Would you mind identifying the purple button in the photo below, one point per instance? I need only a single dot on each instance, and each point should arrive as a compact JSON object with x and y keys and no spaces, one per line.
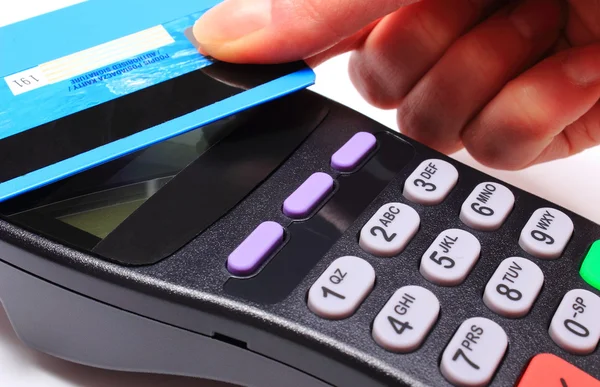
{"x":308,"y":195}
{"x":353,"y":151}
{"x":255,"y":248}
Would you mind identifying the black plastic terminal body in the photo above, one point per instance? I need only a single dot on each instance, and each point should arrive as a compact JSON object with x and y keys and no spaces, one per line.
{"x":191,"y":290}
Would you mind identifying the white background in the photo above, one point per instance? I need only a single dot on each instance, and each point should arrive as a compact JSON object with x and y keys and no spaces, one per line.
{"x":573,"y":183}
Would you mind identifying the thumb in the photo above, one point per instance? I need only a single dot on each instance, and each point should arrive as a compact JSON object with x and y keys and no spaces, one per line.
{"x":274,"y":31}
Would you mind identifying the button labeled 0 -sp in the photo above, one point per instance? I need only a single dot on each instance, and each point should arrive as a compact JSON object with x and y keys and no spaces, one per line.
{"x":391,"y":228}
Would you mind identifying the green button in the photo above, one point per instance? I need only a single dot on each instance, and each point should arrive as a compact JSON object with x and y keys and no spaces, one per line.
{"x":590,"y":270}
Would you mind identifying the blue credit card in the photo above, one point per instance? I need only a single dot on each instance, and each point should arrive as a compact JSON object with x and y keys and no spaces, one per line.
{"x":97,"y":54}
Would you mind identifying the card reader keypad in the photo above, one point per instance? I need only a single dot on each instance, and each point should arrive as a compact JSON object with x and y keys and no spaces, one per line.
{"x":402,"y":325}
{"x":487,"y":207}
{"x":474,"y":352}
{"x":514,"y":287}
{"x":431,"y":182}
{"x":450,"y":257}
{"x":406,"y":319}
{"x":546,"y":234}
{"x":575,"y":326}
{"x":389,"y":231}
{"x":340,"y":290}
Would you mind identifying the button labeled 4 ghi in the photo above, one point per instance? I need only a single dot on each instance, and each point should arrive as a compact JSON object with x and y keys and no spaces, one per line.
{"x":406,"y":319}
{"x":391,"y":228}
{"x":450,"y":257}
{"x":546,"y":233}
{"x":514,"y":287}
{"x":474,"y":353}
{"x":340,"y":290}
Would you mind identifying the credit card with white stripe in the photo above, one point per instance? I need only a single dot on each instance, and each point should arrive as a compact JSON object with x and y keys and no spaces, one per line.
{"x":62,"y":108}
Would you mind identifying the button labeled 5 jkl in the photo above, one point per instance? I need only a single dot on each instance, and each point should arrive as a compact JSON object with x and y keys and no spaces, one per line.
{"x":391,"y":228}
{"x":450,"y":258}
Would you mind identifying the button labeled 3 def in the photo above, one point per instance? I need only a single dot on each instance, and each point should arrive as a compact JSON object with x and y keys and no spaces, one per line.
{"x":431,"y":182}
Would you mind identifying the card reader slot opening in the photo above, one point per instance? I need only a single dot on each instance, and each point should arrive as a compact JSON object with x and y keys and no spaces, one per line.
{"x":230,"y":340}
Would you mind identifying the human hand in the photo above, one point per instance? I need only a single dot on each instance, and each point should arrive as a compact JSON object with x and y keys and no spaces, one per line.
{"x":515,"y":82}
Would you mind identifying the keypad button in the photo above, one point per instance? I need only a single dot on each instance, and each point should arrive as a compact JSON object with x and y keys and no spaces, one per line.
{"x":391,"y":228}
{"x":546,"y":370}
{"x":300,"y":203}
{"x":487,"y":207}
{"x":450,"y":258}
{"x":575,"y":326}
{"x":431,"y":182}
{"x":341,"y":289}
{"x":547,"y":233}
{"x":514,"y":287}
{"x":353,"y":152}
{"x":590,"y":269}
{"x":474,"y":353}
{"x":248,"y":256}
{"x":406,"y":319}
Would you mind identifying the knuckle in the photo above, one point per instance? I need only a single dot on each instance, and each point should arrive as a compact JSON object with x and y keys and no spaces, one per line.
{"x":370,"y":83}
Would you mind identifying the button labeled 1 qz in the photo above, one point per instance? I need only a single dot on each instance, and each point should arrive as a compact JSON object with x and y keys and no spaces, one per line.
{"x":340,"y":290}
{"x":391,"y":228}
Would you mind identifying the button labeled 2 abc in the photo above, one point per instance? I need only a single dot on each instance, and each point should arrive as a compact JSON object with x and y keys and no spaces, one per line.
{"x":391,"y":228}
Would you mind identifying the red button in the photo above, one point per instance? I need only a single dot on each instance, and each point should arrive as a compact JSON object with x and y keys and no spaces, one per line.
{"x":546,"y":370}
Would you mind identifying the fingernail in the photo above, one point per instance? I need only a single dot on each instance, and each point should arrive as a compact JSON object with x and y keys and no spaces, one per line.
{"x":232,"y":20}
{"x":583,"y":65}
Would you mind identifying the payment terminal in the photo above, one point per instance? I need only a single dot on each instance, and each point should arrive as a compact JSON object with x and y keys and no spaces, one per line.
{"x":300,"y":243}
{"x":294,"y":242}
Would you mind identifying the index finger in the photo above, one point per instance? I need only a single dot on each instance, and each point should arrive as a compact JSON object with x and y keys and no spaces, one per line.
{"x":275,"y":31}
